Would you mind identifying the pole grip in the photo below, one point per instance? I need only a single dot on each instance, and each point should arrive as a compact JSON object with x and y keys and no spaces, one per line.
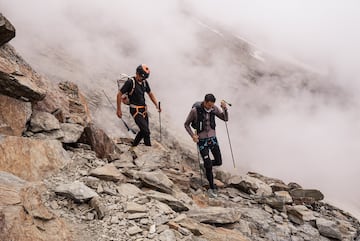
{"x":159,"y":105}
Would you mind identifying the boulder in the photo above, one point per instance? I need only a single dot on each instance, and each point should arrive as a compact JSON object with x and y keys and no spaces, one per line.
{"x":99,"y":141}
{"x":108,"y":172}
{"x":20,"y":87}
{"x":307,"y":196}
{"x":72,"y":132}
{"x":77,"y":191}
{"x":174,"y":203}
{"x":210,"y":233}
{"x":43,"y":122}
{"x":7,"y":30}
{"x":250,"y":185}
{"x":31,"y":159}
{"x":299,"y":214}
{"x":23,"y":216}
{"x":129,"y":190}
{"x":157,"y":180}
{"x":14,"y":114}
{"x":328,"y":228}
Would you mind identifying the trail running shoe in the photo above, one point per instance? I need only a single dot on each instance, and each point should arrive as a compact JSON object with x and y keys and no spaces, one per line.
{"x":211,"y":193}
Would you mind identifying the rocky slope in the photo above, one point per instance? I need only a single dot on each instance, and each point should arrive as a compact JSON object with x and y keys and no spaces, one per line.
{"x":63,"y":178}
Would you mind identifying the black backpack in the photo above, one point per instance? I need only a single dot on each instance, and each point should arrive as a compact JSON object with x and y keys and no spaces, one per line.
{"x":197,"y":124}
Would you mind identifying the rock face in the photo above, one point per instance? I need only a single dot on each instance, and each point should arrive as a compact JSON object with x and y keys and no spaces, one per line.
{"x":23,"y":216}
{"x":31,"y":159}
{"x":7,"y":30}
{"x":14,"y":114}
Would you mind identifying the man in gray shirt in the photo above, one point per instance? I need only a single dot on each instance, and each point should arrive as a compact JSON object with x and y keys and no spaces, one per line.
{"x":202,"y":119}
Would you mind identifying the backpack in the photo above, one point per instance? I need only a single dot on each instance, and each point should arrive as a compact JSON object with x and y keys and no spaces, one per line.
{"x":123,"y":78}
{"x":197,"y":124}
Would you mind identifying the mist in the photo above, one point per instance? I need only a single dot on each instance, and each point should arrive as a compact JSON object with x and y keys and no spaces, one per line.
{"x":290,"y":69}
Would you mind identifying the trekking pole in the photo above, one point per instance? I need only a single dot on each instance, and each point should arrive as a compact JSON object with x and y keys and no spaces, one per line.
{"x":160,"y":120}
{"x":126,"y":125}
{"x":232,"y":155}
{"x":201,"y":179}
{"x":227,"y":130}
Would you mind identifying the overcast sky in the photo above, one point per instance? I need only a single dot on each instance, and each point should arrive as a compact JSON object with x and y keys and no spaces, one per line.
{"x":303,"y":137}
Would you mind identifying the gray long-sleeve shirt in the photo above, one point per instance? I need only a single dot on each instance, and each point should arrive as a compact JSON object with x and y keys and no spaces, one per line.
{"x":208,"y":131}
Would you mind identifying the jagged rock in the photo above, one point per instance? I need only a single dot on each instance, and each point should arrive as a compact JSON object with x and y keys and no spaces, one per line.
{"x":14,"y":114}
{"x":31,"y":159}
{"x":222,"y":175}
{"x":72,"y":132}
{"x":307,"y":196}
{"x":31,"y":200}
{"x":43,"y":121}
{"x":215,"y":215}
{"x":132,"y":207}
{"x":101,"y":143}
{"x":182,"y":181}
{"x":276,"y":187}
{"x":299,"y":214}
{"x":210,"y":233}
{"x":285,"y":195}
{"x":99,"y":207}
{"x":78,"y":107}
{"x":149,"y":161}
{"x":293,"y":185}
{"x":108,"y":172}
{"x":328,"y":228}
{"x":23,"y":216}
{"x":134,"y":230}
{"x":20,"y":87}
{"x":250,"y":185}
{"x":128,"y":190}
{"x":77,"y":191}
{"x":175,"y":204}
{"x":277,"y":202}
{"x":7,"y":30}
{"x":157,"y":180}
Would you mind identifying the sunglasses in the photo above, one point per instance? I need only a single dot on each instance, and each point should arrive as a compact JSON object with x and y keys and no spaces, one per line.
{"x":143,"y":74}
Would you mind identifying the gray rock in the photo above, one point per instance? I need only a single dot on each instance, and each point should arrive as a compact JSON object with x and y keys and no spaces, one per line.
{"x":134,"y":230}
{"x":157,"y":180}
{"x":76,"y":190}
{"x":108,"y":172}
{"x":128,"y":190}
{"x":312,"y":194}
{"x":43,"y":121}
{"x":7,"y":30}
{"x":72,"y":132}
{"x":99,"y":207}
{"x":299,"y":214}
{"x":175,"y":204}
{"x":250,"y":185}
{"x":167,"y":235}
{"x":131,"y":207}
{"x":215,"y":215}
{"x":328,"y":228}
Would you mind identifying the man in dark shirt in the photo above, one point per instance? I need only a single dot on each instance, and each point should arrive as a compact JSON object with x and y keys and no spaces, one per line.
{"x":135,"y":88}
{"x":203,"y":117}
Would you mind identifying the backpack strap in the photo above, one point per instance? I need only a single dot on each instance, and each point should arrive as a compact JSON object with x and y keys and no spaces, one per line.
{"x":133,"y":86}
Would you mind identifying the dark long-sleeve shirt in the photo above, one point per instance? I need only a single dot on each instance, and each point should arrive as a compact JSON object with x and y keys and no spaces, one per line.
{"x":208,"y":131}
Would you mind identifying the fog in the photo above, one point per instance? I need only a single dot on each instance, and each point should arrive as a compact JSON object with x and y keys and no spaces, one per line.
{"x":279,"y":128}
